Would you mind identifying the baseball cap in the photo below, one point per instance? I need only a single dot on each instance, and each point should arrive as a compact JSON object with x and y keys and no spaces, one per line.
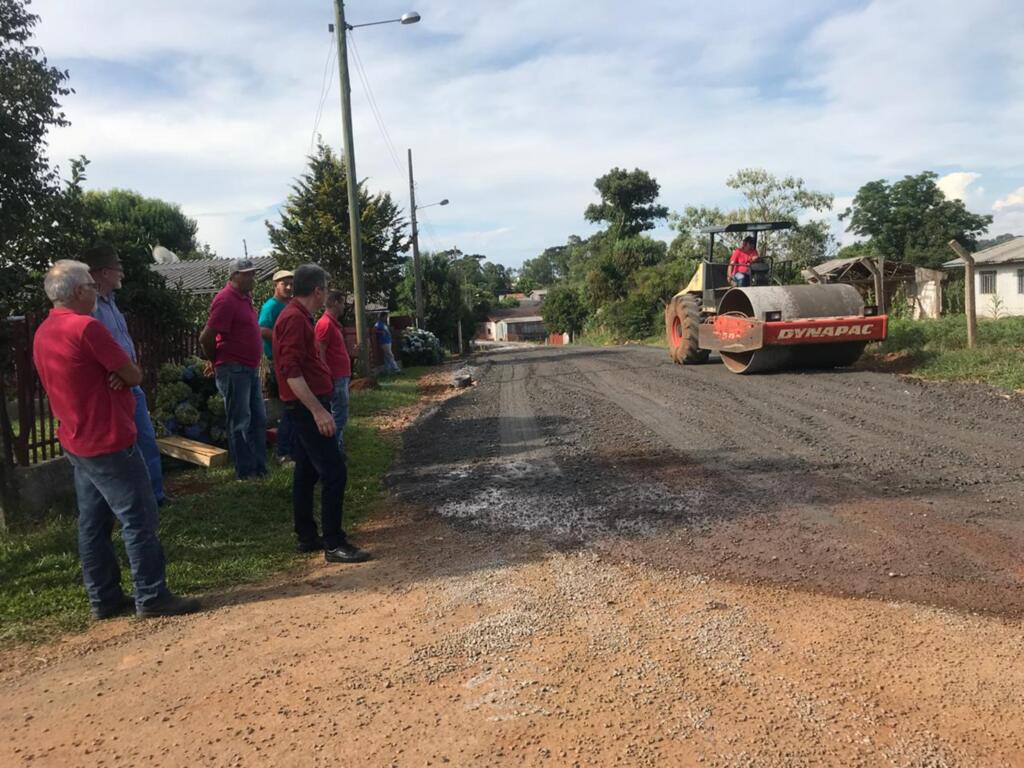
{"x":242,"y":265}
{"x":281,"y":274}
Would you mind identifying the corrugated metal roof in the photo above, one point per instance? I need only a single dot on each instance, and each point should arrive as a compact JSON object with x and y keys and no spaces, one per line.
{"x":207,"y":276}
{"x":1008,"y":252}
{"x":526,"y":308}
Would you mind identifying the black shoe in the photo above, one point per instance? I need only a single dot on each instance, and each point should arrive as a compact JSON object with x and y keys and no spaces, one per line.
{"x":346,"y":553}
{"x":170,"y":605}
{"x":121,"y":608}
{"x":166,"y":501}
{"x":310,"y":546}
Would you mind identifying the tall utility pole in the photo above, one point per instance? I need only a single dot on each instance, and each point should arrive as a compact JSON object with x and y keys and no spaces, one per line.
{"x":416,"y":266}
{"x":356,"y":238}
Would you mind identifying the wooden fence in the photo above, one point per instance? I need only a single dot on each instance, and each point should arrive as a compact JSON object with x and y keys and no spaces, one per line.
{"x":29,"y":429}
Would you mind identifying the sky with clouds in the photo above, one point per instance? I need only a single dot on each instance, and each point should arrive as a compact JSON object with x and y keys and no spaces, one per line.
{"x":512,"y":109}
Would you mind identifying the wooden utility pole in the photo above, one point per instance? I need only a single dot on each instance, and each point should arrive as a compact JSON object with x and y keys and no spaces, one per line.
{"x":879,"y":277}
{"x":416,"y":266}
{"x":354,"y":220}
{"x":969,"y":309}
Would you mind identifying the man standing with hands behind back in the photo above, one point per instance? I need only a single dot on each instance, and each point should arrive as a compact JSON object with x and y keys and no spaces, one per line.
{"x":306,"y":386}
{"x":231,"y":341}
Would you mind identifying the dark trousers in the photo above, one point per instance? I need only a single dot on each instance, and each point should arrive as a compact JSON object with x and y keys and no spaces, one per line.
{"x":317,"y":458}
{"x":116,"y":486}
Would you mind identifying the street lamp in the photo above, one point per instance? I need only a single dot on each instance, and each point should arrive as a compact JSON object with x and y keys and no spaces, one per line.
{"x":341,"y":28}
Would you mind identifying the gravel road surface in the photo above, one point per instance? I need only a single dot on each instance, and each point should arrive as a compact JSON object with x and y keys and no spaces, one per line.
{"x":596,"y":558}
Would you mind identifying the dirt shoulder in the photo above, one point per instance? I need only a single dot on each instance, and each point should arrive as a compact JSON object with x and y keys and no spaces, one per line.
{"x":563,"y":578}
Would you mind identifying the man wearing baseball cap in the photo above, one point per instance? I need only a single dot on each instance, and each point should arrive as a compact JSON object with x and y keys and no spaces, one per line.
{"x":269,"y":313}
{"x":231,"y":341}
{"x":107,"y":272}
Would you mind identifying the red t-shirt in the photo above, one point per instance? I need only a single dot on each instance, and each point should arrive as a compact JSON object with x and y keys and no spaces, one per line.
{"x":73,"y":355}
{"x":233,"y":317}
{"x":328,"y":333}
{"x":740,"y":261}
{"x":296,"y":353}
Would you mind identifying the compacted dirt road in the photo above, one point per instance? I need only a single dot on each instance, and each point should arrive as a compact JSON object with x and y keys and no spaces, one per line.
{"x":594,"y":557}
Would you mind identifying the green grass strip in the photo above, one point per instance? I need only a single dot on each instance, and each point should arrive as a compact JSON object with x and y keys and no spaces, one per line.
{"x":219,"y":533}
{"x":938,"y":350}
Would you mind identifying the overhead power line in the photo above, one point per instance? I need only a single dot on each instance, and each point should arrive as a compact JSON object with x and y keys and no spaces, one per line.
{"x":374,"y":108}
{"x":325,"y":85}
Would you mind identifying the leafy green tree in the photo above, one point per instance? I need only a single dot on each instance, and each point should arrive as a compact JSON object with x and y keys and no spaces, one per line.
{"x":443,"y":296}
{"x":911,"y":220}
{"x":770,"y":198}
{"x":690,"y":244}
{"x":314,"y":227}
{"x":497,"y":278}
{"x":31,"y":193}
{"x":628,"y":202}
{"x":133,"y":224}
{"x":548,"y":268}
{"x":563,"y":311}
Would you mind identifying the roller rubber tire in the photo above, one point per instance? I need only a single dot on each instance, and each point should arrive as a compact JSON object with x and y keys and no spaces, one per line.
{"x":682,"y":324}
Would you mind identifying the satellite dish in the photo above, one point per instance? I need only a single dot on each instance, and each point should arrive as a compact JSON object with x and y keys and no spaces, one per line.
{"x":162,"y":255}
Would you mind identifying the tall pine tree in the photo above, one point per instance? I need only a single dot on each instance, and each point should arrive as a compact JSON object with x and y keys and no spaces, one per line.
{"x":314,"y":228}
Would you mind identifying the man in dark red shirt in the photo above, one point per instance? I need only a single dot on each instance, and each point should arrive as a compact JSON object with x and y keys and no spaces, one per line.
{"x":331,"y":341}
{"x":88,"y":377}
{"x":740,"y":261}
{"x":231,"y":341}
{"x":305,"y":386}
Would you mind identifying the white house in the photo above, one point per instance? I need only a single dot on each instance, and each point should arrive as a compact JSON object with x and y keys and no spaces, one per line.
{"x":522,"y":323}
{"x":998,"y":278}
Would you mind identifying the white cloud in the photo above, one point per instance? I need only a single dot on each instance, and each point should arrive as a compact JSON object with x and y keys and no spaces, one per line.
{"x":1008,"y":214}
{"x":513,"y":109}
{"x":1013,"y":200}
{"x":955,"y":185}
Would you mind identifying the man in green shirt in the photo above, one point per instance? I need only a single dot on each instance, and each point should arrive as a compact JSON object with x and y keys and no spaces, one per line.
{"x":269,"y":313}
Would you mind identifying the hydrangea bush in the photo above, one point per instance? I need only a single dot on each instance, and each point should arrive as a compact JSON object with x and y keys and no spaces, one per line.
{"x":188,"y":404}
{"x":420,"y":347}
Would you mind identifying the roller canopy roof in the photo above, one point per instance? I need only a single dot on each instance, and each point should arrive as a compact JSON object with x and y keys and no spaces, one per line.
{"x":752,"y":226}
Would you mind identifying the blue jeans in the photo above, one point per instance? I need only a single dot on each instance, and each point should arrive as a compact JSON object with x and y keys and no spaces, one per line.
{"x":740,"y":279}
{"x":116,"y":486}
{"x":339,"y":406}
{"x":317,"y":458}
{"x":390,"y":364}
{"x":246,"y":418}
{"x":147,"y":444}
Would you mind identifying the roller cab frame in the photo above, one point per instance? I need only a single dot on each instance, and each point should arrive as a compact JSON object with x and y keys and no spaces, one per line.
{"x":766,"y":327}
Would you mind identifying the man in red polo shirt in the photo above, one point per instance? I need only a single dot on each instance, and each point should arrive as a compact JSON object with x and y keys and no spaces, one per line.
{"x":232,"y":341}
{"x":88,"y":378}
{"x":740,"y":261}
{"x":331,"y":341}
{"x":305,"y":386}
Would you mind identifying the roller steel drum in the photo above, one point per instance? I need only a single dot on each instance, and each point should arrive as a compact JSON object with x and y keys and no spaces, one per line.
{"x":795,"y":302}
